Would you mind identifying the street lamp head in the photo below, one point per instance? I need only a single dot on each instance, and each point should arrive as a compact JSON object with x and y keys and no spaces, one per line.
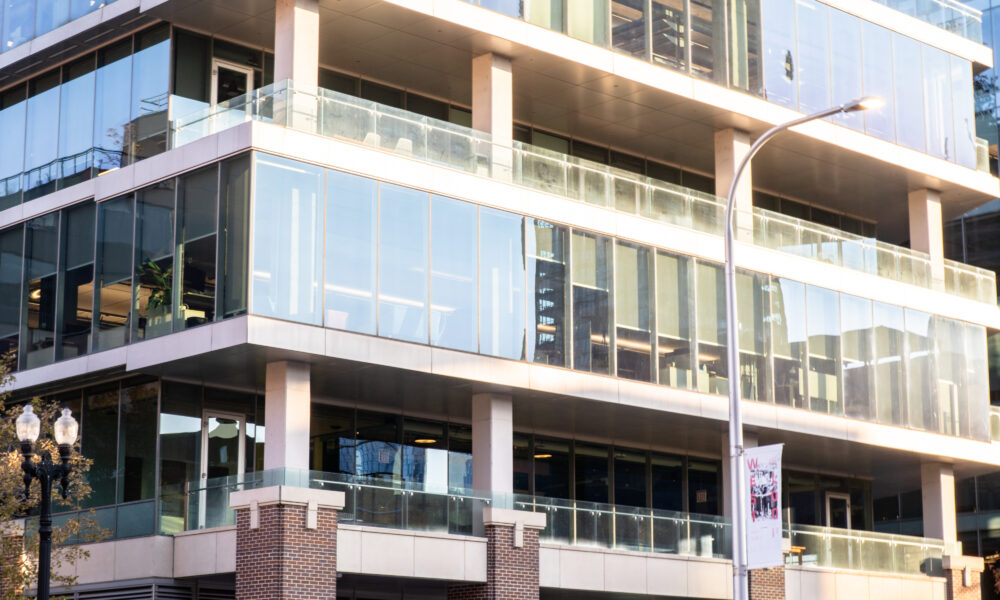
{"x":866,"y":103}
{"x":66,"y":428}
{"x":28,"y":425}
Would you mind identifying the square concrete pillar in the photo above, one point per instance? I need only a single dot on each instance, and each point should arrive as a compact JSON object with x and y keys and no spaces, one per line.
{"x":963,"y":576}
{"x":493,"y":443}
{"x":731,"y":145}
{"x":937,"y":490}
{"x":287,"y":409}
{"x":927,"y":230}
{"x":511,"y":558}
{"x":493,"y":108}
{"x":286,"y":543}
{"x":296,"y":42}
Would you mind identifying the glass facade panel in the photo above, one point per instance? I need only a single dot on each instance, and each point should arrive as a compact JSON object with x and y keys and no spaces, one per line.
{"x":154,"y":259}
{"x":908,"y":92}
{"x":453,"y":274}
{"x":77,"y":280}
{"x":951,"y":376}
{"x":667,"y":481}
{"x":18,"y":22}
{"x":591,"y":275}
{"x":813,"y":68}
{"x":780,"y":62}
{"x":633,"y":317}
{"x":877,"y":75}
{"x":351,"y":240}
{"x":628,"y":26}
{"x":788,"y":342}
{"x":938,"y":120}
{"x":552,"y":468}
{"x":137,"y":443}
{"x":546,"y":254}
{"x":180,"y":448}
{"x":846,"y":65}
{"x":501,"y":284}
{"x":234,"y":235}
{"x":592,"y":477}
{"x":42,"y":135}
{"x":630,"y":478}
{"x":752,"y":307}
{"x":673,"y":321}
{"x":99,"y":443}
{"x":713,"y":374}
{"x":669,"y":32}
{"x":823,"y":315}
{"x":890,"y":384}
{"x":977,"y":382}
{"x":11,"y":248}
{"x":703,"y":486}
{"x":287,"y":240}
{"x":964,"y":112}
{"x":856,"y":345}
{"x":922,"y":389}
{"x":197,"y":210}
{"x":150,"y":92}
{"x":403,"y":247}
{"x":76,"y":106}
{"x":113,"y":105}
{"x":114,"y":273}
{"x":41,"y":252}
{"x":13,"y":112}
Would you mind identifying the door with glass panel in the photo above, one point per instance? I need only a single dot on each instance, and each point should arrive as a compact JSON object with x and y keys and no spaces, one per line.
{"x":838,"y":510}
{"x":223,"y":440}
{"x":838,"y":546}
{"x":229,"y":80}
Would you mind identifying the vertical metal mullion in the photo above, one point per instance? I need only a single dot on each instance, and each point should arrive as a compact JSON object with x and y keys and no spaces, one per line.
{"x":570,"y":321}
{"x":692,"y":302}
{"x":688,"y":55}
{"x":427,"y":265}
{"x":22,"y":323}
{"x":378,"y":258}
{"x":132,"y":288}
{"x":60,"y":274}
{"x":612,"y":309}
{"x":180,"y":249}
{"x":219,"y":270}
{"x":648,"y":29}
{"x":652,"y":298}
{"x":156,"y":453}
{"x":251,"y":214}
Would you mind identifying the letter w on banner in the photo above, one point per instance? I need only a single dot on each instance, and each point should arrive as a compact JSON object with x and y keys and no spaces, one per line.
{"x":764,"y":536}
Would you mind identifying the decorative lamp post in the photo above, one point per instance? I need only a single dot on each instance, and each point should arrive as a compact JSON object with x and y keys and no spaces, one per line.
{"x":65,"y":430}
{"x":736,"y":477}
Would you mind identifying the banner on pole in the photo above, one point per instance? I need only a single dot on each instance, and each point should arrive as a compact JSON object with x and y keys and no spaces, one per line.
{"x":763,"y":524}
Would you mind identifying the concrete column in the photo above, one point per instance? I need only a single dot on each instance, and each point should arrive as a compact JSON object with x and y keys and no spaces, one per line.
{"x":493,"y":443}
{"x":511,"y":558}
{"x":296,"y":42}
{"x":286,"y":543}
{"x":937,"y":489}
{"x":731,"y":145}
{"x":286,"y":415}
{"x":927,"y":230}
{"x":749,"y":441}
{"x":493,"y":107}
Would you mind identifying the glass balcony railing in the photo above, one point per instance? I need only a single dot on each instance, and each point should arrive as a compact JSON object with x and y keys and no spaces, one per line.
{"x":368,"y":501}
{"x":331,"y":114}
{"x":577,"y":523}
{"x":995,"y":423}
{"x":864,"y":550}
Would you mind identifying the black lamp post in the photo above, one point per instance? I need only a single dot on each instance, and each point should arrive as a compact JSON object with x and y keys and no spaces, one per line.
{"x":46,"y":471}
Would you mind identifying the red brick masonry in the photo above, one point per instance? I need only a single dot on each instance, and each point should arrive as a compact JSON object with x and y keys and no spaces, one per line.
{"x":767,"y":584}
{"x":511,"y":558}
{"x":286,"y":543}
{"x":11,"y":549}
{"x":954,"y":568}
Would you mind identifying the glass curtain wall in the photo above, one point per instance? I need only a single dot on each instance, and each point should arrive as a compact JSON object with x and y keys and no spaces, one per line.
{"x":98,"y":112}
{"x":97,"y":276}
{"x":23,"y":21}
{"x":800,"y":346}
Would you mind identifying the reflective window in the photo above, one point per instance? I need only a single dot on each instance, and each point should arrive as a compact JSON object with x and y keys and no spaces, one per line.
{"x":788,"y":342}
{"x":856,"y":345}
{"x":99,"y":443}
{"x":592,"y":477}
{"x":713,"y":376}
{"x":846,"y":65}
{"x":453,"y":274}
{"x":922,"y":389}
{"x":669,"y":23}
{"x":633,"y":301}
{"x":552,"y":468}
{"x":501,"y":284}
{"x":587,"y":20}
{"x":331,"y":439}
{"x":751,"y":290}
{"x":951,"y":372}
{"x":234,"y":229}
{"x":11,"y":241}
{"x":50,"y":14}
{"x":630,"y":478}
{"x":964,"y":112}
{"x":591,"y":275}
{"x":112,"y":104}
{"x":908,"y":92}
{"x":18,"y":22}
{"x":673,"y":320}
{"x":780,"y":62}
{"x":137,"y":443}
{"x":197,"y":210}
{"x":977,"y":382}
{"x":546,"y":286}
{"x":41,"y":251}
{"x":154,"y":260}
{"x":707,"y":54}
{"x":180,"y":447}
{"x":890,"y":384}
{"x":703,"y":486}
{"x":877,"y":79}
{"x":13,"y":107}
{"x":939,"y":122}
{"x":150,"y":92}
{"x":42,"y":136}
{"x":823,"y":314}
{"x":114,"y":273}
{"x":628,"y":26}
{"x":288,"y":225}
{"x":77,"y":280}
{"x":813,"y":68}
{"x":351,"y":237}
{"x":667,"y":481}
{"x":79,"y":8}
{"x":402,"y":296}
{"x":76,"y":106}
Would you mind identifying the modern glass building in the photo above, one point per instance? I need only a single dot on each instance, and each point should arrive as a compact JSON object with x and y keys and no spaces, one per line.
{"x":453,"y":270}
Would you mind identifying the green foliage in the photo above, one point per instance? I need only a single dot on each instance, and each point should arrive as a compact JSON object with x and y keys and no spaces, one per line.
{"x":18,"y":560}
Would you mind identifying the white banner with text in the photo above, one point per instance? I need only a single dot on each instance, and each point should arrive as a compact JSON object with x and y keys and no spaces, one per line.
{"x":763,"y":506}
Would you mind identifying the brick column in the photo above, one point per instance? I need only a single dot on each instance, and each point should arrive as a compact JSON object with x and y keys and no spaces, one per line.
{"x":511,"y":558}
{"x":963,"y":575}
{"x":11,"y":551}
{"x":286,"y":543}
{"x":767,"y":584}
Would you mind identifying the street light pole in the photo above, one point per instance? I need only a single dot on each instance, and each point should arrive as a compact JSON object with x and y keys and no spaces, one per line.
{"x":46,"y":472}
{"x":736,"y":478}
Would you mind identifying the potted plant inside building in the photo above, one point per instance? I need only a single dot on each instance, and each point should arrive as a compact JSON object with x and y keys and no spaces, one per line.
{"x":157,"y":279}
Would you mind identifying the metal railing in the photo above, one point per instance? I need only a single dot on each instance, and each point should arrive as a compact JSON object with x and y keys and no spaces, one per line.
{"x":332,"y":114}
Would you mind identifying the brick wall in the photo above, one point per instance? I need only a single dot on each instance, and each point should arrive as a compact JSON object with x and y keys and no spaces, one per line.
{"x":282,"y":559}
{"x":511,"y":573}
{"x":957,"y":591}
{"x":11,"y":549}
{"x":767,"y":584}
